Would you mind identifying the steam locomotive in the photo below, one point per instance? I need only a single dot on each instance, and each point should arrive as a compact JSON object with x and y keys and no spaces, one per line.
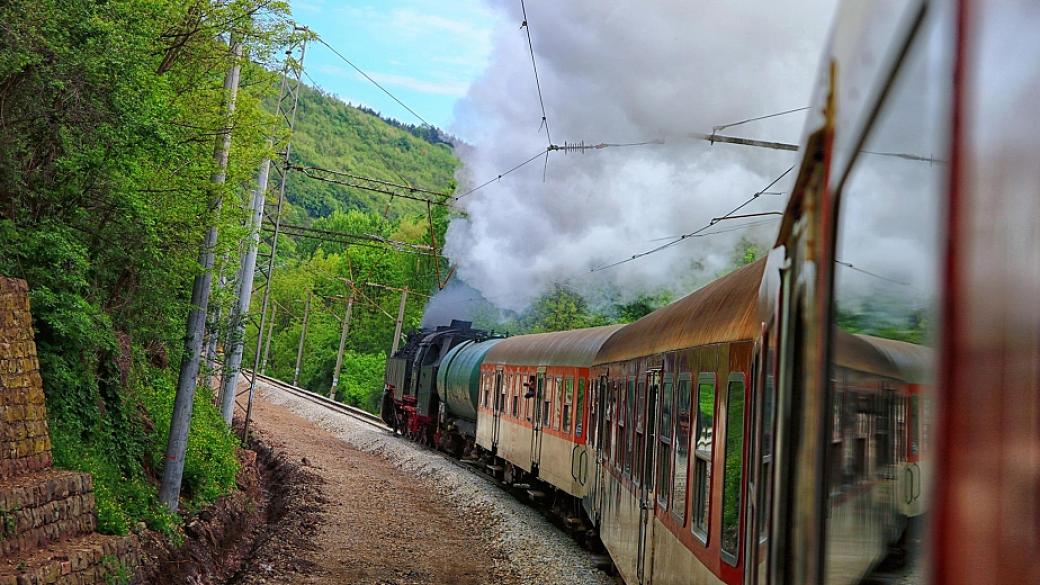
{"x":863,"y":397}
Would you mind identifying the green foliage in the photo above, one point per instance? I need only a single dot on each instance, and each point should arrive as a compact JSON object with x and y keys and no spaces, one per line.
{"x":561,"y":309}
{"x":333,"y":135}
{"x":110,"y":111}
{"x":211,"y":465}
{"x":361,"y":382}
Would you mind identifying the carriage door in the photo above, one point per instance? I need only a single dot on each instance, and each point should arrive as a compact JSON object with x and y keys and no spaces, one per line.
{"x":645,"y":558}
{"x":500,"y":404}
{"x":541,"y":416}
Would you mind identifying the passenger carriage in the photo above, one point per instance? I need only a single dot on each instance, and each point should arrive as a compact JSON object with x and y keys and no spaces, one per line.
{"x":533,"y":413}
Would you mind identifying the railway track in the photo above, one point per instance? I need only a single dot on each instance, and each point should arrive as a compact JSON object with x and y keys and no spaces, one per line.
{"x":351,"y":411}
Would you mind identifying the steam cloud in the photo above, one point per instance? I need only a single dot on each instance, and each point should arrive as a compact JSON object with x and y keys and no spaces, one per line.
{"x":628,"y":72}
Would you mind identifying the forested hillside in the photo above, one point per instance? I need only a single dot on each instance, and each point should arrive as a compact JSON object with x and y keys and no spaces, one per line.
{"x":333,"y":135}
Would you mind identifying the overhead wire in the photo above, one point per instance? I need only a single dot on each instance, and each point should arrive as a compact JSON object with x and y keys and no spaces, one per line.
{"x":722,"y":127}
{"x":500,"y":175}
{"x":373,"y":81}
{"x":534,"y":65}
{"x":385,"y":183}
{"x":695,"y":233}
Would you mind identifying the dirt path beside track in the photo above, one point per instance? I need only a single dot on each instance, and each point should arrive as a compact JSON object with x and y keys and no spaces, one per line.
{"x":376,"y":524}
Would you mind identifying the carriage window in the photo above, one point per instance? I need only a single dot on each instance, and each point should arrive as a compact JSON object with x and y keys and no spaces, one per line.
{"x":500,"y":388}
{"x":630,"y":407}
{"x":515,"y":391}
{"x":608,"y":416}
{"x":886,"y":290}
{"x":652,"y":390}
{"x":619,"y":436}
{"x":579,"y":410}
{"x":682,"y":447}
{"x":487,"y":390}
{"x":733,"y":471}
{"x":568,"y":401}
{"x":639,"y":432}
{"x":557,"y":397}
{"x":703,"y":443}
{"x":664,"y":447}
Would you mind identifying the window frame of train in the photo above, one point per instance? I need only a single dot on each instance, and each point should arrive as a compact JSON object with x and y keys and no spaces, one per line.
{"x":630,"y":399}
{"x":702,"y":460}
{"x":557,"y":403}
{"x":579,"y":410}
{"x":568,"y":403}
{"x":529,"y":405}
{"x":664,"y":441}
{"x":515,"y":396}
{"x":619,"y":437}
{"x":639,"y":431}
{"x":653,"y":398}
{"x":684,"y":382}
{"x":486,"y":387}
{"x":734,"y":448}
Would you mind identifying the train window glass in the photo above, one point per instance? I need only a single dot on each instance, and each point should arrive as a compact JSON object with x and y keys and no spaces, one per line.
{"x":500,"y":388}
{"x":579,"y":410}
{"x":546,"y":403}
{"x":888,"y":243}
{"x":487,"y":391}
{"x":664,"y":438}
{"x":652,"y":389}
{"x":681,"y":447}
{"x":733,"y":469}
{"x":568,"y":403}
{"x":703,"y":453}
{"x":639,"y":432}
{"x":604,"y":438}
{"x":630,"y":403}
{"x":557,"y":403}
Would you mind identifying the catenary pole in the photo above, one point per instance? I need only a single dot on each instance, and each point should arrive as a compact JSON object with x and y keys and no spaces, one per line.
{"x":303,"y":337}
{"x":246,"y":273}
{"x":342,"y":346}
{"x":180,"y":423}
{"x":288,"y":102}
{"x":267,"y":342}
{"x":400,"y":320}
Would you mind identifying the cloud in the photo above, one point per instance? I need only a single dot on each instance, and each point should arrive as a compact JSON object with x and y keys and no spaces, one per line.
{"x":451,"y":88}
{"x":614,"y":73}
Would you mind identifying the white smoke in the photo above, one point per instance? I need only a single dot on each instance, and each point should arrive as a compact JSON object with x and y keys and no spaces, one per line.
{"x":627,"y":72}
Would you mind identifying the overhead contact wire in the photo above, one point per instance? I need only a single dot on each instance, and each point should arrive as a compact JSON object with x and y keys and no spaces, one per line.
{"x":534,"y":65}
{"x":374,"y":82}
{"x":536,"y":156}
{"x":695,"y":233}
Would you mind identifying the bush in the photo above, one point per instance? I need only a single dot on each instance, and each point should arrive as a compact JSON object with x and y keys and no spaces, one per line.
{"x":124,"y":446}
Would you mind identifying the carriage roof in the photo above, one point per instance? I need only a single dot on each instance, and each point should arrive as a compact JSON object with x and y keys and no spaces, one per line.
{"x":575,"y":348}
{"x":720,"y":312}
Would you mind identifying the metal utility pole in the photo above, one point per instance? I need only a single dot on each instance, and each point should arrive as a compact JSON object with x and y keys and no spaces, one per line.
{"x":246,"y":272}
{"x":400,"y":320}
{"x":212,"y":329}
{"x":342,"y":346}
{"x":177,"y":442}
{"x":267,"y":342}
{"x":303,"y":336}
{"x":286,"y":108}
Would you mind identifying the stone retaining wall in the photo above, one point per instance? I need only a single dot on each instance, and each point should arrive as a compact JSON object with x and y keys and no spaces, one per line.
{"x":47,"y":516}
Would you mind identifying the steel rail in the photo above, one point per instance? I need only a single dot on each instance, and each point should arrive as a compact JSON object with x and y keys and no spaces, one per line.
{"x":351,"y":411}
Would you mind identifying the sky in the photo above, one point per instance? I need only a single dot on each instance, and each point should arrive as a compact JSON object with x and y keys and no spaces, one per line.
{"x":426,"y":52}
{"x":661,"y":71}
